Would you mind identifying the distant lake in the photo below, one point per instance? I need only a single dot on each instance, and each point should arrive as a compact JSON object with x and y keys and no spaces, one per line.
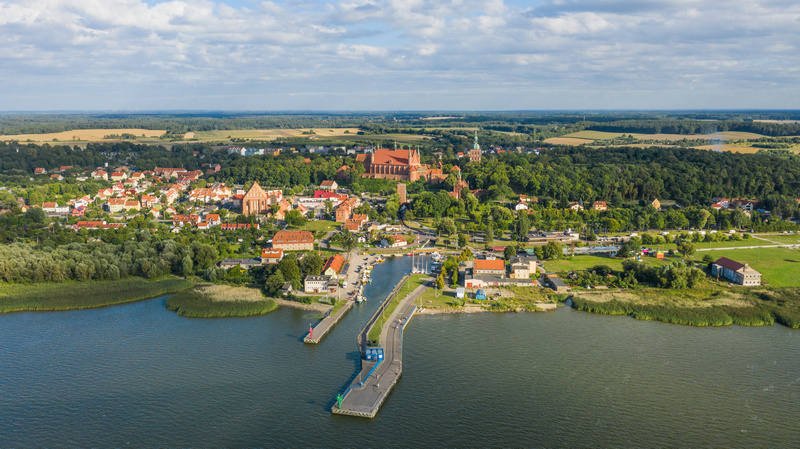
{"x":139,"y":375}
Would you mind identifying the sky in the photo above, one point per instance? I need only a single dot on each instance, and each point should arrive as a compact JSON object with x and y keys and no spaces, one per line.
{"x":466,"y":55}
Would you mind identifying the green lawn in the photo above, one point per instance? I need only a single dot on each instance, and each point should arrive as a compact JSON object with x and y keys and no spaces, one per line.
{"x":780,"y":267}
{"x":318,"y":226}
{"x":783,"y":239}
{"x":586,"y":262}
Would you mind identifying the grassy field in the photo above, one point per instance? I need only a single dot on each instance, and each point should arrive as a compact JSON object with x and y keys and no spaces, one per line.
{"x":585,"y":262}
{"x":318,"y":226}
{"x":781,"y":239}
{"x":708,"y":305}
{"x":83,"y":295}
{"x":779,"y":267}
{"x":211,"y":300}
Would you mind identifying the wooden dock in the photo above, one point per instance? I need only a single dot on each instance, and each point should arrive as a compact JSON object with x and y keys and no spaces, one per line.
{"x":365,"y":395}
{"x":326,"y":324}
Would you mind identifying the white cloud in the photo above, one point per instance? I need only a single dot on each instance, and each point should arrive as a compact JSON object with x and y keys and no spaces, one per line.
{"x":504,"y":55}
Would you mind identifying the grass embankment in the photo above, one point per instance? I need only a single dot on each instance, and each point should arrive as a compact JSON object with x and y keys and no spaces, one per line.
{"x":706,"y":306}
{"x":211,"y":300}
{"x":83,"y":295}
{"x":414,"y":281}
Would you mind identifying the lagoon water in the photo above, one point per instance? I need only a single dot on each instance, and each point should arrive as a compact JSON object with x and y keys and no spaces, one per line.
{"x":139,"y":375}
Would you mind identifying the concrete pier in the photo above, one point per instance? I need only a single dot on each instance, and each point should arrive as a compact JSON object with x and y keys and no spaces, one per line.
{"x":366,"y":394}
{"x":326,"y":324}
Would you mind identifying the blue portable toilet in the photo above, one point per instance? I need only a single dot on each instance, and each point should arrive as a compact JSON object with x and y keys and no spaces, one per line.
{"x":480,"y":294}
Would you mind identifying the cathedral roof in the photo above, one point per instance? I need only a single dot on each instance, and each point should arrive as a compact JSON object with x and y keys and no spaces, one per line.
{"x":255,"y":192}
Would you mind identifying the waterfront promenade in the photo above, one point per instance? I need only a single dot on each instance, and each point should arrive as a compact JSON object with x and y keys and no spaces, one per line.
{"x":321,"y":329}
{"x":369,"y":390}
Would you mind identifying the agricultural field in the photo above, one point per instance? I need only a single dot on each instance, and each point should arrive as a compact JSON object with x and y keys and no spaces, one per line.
{"x":567,"y":141}
{"x":271,"y":134}
{"x":85,"y":135}
{"x":593,"y":135}
{"x":583,"y":137}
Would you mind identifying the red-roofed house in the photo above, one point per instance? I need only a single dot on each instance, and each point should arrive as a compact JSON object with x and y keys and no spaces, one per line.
{"x":333,"y":266}
{"x":271,"y":256}
{"x":328,"y":185}
{"x":39,"y":171}
{"x":213,"y":219}
{"x":493,"y":267}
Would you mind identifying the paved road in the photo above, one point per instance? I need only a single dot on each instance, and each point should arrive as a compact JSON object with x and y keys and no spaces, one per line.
{"x":365,"y":400}
{"x":749,"y":247}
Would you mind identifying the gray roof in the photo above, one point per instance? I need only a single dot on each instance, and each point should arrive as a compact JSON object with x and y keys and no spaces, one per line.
{"x":523,"y":258}
{"x":242,"y":262}
{"x":318,"y":277}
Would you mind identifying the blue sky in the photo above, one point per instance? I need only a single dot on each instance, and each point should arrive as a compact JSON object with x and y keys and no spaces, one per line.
{"x":398,"y":54}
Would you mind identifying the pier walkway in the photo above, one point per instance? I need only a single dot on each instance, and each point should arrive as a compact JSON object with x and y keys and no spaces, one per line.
{"x":322,"y":328}
{"x":369,"y":390}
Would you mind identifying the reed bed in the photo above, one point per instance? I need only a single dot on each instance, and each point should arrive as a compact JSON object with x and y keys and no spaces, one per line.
{"x":83,"y":295}
{"x":748,"y":309}
{"x":212,"y":301}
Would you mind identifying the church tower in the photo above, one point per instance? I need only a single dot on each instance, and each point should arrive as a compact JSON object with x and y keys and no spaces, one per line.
{"x":475,"y":152}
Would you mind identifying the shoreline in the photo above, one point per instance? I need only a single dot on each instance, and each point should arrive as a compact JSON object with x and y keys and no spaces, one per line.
{"x":313,"y":307}
{"x":545,"y":307}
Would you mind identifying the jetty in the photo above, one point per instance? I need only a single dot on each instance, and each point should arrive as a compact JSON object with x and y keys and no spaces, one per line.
{"x":382,"y":366}
{"x":318,"y":332}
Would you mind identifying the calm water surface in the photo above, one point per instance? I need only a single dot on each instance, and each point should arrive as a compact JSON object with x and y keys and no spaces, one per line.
{"x":139,"y":375}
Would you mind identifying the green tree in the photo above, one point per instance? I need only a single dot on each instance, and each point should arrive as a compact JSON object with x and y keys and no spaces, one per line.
{"x":36,"y":215}
{"x":552,"y":250}
{"x":288,"y":267}
{"x":686,"y":248}
{"x":489,"y":235}
{"x":311,"y":264}
{"x":274,"y":283}
{"x":295,"y":218}
{"x":347,"y":239}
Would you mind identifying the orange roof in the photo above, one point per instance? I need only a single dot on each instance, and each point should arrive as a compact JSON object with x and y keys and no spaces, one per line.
{"x":336,"y":262}
{"x":284,"y":237}
{"x":483,"y":264}
{"x":394,"y":157}
{"x":272,"y":253}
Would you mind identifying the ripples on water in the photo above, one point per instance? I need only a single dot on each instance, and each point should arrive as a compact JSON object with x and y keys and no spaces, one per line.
{"x":139,"y":375}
